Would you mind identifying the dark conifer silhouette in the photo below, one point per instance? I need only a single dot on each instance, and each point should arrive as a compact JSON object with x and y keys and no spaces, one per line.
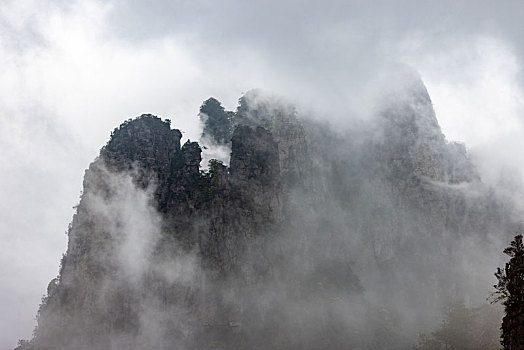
{"x":510,"y":290}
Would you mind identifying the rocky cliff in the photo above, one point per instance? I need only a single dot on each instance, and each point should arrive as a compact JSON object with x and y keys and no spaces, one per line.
{"x":264,"y":253}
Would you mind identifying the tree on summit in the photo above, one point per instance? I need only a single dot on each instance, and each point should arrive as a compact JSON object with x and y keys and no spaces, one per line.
{"x":218,"y":123}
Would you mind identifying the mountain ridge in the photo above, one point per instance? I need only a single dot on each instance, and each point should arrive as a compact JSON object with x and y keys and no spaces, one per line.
{"x":294,"y":244}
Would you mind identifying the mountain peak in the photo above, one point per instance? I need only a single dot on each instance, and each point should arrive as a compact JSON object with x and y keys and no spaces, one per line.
{"x":263,"y":253}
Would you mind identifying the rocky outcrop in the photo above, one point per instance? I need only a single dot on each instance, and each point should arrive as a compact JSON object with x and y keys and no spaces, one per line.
{"x":218,"y":123}
{"x":262,"y":253}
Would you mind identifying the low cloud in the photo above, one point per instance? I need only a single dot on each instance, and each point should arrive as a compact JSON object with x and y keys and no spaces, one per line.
{"x":75,"y":70}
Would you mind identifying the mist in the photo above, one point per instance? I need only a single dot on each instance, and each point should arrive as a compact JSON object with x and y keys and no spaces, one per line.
{"x":75,"y":70}
{"x":317,"y":235}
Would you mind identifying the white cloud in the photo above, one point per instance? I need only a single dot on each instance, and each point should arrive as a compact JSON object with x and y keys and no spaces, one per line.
{"x":475,"y":86}
{"x":72,"y":71}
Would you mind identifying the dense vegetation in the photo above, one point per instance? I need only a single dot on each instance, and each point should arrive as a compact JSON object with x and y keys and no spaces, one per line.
{"x":510,"y":290}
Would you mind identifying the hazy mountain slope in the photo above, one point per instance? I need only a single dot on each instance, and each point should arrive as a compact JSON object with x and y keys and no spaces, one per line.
{"x":265,"y":253}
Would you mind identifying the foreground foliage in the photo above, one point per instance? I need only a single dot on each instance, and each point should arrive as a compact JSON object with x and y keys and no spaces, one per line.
{"x":510,"y":290}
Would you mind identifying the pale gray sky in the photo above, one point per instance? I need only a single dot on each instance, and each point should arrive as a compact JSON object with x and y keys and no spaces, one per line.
{"x":74,"y":70}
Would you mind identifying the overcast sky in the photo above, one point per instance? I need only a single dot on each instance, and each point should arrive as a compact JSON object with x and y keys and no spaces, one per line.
{"x":71,"y":71}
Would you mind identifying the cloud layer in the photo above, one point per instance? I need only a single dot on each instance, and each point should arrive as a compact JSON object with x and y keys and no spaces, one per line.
{"x":72,"y":71}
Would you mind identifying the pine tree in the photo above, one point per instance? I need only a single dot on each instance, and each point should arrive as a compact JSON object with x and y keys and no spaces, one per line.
{"x":510,"y":290}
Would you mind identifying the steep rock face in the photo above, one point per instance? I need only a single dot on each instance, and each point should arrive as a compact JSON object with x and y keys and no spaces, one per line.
{"x":96,"y":303}
{"x":245,"y":202}
{"x":418,"y":205}
{"x":423,"y":179}
{"x":413,"y":143}
{"x":279,"y":118}
{"x":261,"y":254}
{"x":254,"y":156}
{"x":145,"y":145}
{"x":221,"y":217}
